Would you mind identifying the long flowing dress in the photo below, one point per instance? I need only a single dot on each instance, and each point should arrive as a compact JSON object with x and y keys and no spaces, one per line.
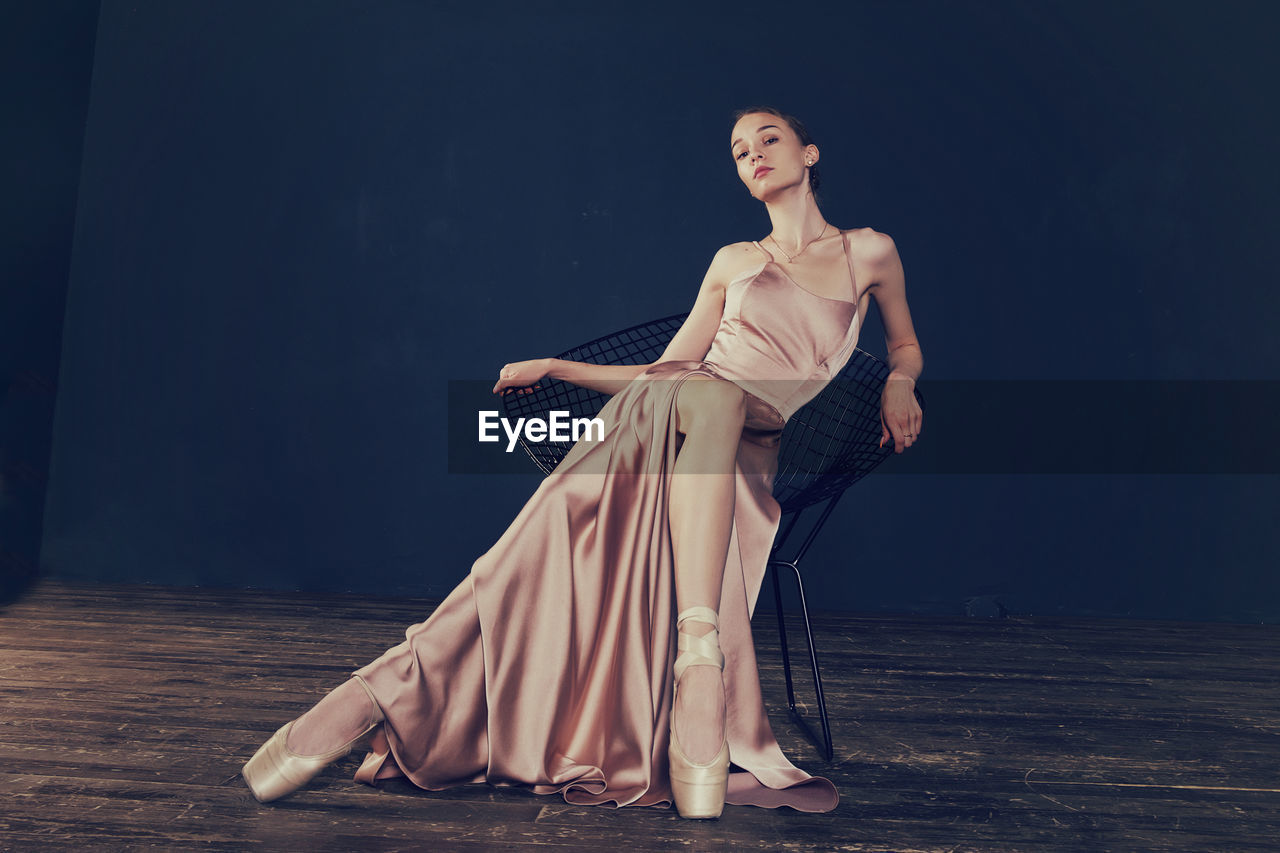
{"x":550,"y":666}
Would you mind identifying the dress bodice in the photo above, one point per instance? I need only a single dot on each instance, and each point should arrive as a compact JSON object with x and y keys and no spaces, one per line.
{"x":780,"y":342}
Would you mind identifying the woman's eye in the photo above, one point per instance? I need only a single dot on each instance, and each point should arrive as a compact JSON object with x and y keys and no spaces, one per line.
{"x":771,"y":139}
{"x":741,"y":154}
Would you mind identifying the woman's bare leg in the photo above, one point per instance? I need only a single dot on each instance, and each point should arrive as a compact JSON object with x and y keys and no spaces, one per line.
{"x":709,"y":413}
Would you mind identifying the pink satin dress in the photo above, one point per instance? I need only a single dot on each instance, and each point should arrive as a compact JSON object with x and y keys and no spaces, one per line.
{"x":550,"y":666}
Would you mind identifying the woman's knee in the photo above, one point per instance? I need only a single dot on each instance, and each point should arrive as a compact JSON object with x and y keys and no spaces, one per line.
{"x":710,"y":404}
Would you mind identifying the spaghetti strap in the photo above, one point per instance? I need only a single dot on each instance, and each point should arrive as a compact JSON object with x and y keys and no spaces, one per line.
{"x":844,"y":235}
{"x":768,"y":254}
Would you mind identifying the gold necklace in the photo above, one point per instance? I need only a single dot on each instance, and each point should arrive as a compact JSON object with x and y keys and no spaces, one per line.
{"x":792,"y":258}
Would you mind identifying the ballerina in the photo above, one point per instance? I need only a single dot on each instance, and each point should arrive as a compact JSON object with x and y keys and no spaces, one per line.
{"x":552,"y":665}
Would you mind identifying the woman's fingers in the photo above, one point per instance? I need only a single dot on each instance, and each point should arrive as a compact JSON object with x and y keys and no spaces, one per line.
{"x":898,"y":429}
{"x":901,"y":417}
{"x":505,"y":386}
{"x":911,"y":425}
{"x":524,"y":375}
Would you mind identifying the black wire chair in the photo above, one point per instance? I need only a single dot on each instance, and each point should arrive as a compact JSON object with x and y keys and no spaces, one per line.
{"x":826,"y":446}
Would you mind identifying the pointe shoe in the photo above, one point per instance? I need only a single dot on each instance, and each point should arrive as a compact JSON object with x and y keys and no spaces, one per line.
{"x":275,"y":770}
{"x":698,"y":789}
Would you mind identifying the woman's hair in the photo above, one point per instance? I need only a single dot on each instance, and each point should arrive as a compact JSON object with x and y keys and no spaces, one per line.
{"x":796,"y":126}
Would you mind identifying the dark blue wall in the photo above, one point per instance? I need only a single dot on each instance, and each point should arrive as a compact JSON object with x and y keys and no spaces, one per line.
{"x":298,"y":220}
{"x":46,"y":58}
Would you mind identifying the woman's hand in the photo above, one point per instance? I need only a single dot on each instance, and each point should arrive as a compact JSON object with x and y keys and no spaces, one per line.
{"x":901,"y":417}
{"x":521,"y":376}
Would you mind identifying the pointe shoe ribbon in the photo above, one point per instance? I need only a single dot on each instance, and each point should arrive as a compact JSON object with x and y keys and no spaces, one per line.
{"x":275,"y":770}
{"x":698,"y":788}
{"x":698,"y":651}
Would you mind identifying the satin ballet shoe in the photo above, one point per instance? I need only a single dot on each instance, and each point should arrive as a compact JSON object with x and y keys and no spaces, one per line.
{"x":698,"y":789}
{"x":276,"y":771}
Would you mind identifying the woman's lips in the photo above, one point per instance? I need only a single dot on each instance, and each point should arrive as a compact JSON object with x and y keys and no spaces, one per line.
{"x":763,"y":170}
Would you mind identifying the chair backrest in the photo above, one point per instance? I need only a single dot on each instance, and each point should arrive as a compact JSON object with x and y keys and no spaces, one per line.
{"x":829,"y":444}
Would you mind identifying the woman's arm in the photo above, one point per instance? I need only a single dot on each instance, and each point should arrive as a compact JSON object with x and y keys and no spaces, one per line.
{"x":691,"y":342}
{"x":693,"y":339}
{"x":520,"y":376}
{"x":901,"y":418}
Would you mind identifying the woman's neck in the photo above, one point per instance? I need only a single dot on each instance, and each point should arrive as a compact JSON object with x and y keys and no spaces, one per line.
{"x":796,"y":220}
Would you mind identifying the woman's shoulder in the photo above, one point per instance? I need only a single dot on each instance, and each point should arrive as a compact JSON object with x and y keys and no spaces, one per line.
{"x":740,"y":249}
{"x":871,"y":244}
{"x":732,"y":258}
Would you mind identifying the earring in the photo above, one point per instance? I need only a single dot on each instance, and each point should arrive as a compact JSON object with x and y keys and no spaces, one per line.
{"x":808,"y":162}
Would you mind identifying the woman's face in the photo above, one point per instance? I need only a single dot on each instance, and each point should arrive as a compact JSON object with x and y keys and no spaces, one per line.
{"x":768,"y":154}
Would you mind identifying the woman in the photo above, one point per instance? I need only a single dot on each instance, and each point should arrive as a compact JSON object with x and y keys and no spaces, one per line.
{"x":550,"y":666}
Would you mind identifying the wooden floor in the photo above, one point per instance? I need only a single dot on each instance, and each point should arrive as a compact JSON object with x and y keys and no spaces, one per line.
{"x":127,"y":711}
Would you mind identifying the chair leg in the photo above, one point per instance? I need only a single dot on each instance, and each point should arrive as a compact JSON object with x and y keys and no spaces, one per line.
{"x":824,"y":743}
{"x":782,"y":637}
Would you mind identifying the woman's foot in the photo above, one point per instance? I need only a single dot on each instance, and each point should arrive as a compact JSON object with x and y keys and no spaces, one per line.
{"x":300,"y":749}
{"x":699,"y":707}
{"x":344,"y":714}
{"x":699,"y":774}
